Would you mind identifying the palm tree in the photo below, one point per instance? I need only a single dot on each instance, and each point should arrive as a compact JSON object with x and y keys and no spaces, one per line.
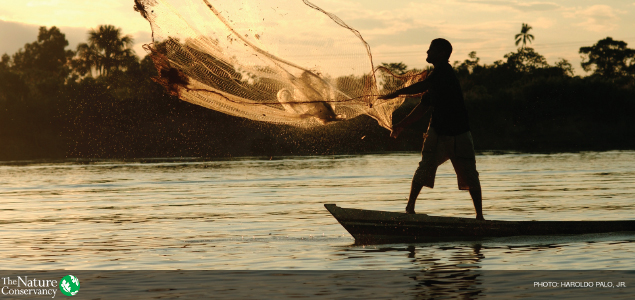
{"x":524,"y":35}
{"x":106,"y":51}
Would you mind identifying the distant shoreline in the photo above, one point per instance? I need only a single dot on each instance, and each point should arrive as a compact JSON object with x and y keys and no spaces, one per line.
{"x":88,"y":160}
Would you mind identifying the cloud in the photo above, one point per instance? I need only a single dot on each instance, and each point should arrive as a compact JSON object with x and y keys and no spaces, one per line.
{"x":598,"y":18}
{"x":13,"y":36}
{"x":410,"y":36}
{"x":535,"y":6}
{"x":522,"y":6}
{"x":368,"y":23}
{"x":543,"y":23}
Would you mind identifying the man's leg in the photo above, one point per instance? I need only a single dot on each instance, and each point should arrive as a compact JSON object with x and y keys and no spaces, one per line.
{"x":464,"y":162}
{"x":431,"y":158}
{"x":415,"y":189}
{"x":477,"y":198}
{"x":424,"y":176}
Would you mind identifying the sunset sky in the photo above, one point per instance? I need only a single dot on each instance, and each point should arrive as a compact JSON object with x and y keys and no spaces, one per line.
{"x":396,"y":30}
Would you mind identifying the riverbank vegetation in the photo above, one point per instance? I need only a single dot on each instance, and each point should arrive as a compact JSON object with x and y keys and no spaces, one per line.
{"x":99,"y":101}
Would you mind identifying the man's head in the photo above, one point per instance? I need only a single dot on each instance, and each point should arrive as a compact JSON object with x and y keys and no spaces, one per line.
{"x":439,"y":52}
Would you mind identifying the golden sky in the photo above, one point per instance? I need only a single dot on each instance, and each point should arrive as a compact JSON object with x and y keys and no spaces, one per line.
{"x":396,"y":30}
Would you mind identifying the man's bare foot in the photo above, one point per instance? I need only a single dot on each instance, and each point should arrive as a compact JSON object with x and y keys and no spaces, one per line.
{"x":411,"y":212}
{"x":480,"y":218}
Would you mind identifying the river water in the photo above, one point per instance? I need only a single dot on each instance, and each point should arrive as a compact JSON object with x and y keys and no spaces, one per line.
{"x":255,"y":214}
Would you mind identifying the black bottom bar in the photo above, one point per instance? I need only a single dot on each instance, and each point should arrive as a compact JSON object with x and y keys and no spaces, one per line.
{"x":362,"y":284}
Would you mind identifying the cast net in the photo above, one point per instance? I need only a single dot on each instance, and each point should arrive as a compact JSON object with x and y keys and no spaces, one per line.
{"x":283,"y":61}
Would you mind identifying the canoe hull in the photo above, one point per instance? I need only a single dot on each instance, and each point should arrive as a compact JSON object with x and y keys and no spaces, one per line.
{"x":370,"y":226}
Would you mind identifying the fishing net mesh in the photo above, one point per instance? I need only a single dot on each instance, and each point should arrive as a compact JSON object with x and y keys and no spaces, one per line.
{"x":284,"y":61}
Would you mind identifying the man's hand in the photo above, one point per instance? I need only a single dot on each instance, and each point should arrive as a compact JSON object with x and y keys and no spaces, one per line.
{"x":396,"y":130}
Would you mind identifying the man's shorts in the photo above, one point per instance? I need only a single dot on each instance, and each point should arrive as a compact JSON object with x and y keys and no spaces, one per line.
{"x":437,"y":149}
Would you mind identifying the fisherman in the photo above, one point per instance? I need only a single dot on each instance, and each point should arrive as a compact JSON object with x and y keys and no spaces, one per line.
{"x":448,"y":135}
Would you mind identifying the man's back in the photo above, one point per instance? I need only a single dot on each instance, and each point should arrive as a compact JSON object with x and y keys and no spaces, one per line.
{"x":450,"y":115}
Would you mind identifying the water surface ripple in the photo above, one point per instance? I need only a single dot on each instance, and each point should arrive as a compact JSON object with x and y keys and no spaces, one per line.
{"x":268,"y":214}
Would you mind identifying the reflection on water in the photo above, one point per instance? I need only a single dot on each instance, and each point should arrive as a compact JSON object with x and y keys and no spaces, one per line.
{"x":269,"y":214}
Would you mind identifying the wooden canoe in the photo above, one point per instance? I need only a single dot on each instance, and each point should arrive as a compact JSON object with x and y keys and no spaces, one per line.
{"x":372,"y":226}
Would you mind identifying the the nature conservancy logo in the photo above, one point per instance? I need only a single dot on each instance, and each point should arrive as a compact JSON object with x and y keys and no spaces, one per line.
{"x":25,"y":286}
{"x":69,"y":285}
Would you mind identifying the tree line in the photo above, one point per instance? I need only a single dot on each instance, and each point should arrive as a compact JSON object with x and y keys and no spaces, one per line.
{"x":98,"y":101}
{"x":525,"y":103}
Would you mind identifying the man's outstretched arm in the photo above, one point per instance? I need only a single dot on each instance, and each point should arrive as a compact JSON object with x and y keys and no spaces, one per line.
{"x":416,"y":88}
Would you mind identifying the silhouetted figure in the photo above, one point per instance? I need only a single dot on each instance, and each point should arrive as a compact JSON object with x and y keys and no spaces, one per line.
{"x":448,"y":135}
